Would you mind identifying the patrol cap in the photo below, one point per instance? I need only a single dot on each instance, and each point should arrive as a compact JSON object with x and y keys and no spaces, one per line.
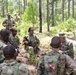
{"x":62,"y":34}
{"x":30,"y":29}
{"x":55,"y":42}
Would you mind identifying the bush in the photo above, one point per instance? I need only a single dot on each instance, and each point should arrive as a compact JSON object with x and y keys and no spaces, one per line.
{"x":67,"y":26}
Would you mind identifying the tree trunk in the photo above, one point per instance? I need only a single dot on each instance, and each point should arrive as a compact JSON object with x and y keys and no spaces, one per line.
{"x":32,"y":0}
{"x":19,"y":8}
{"x":52,"y":12}
{"x":63,"y":10}
{"x":40,"y":16}
{"x":68,"y":8}
{"x":26,"y":2}
{"x":6,"y":6}
{"x":2,"y":8}
{"x":56,"y":7}
{"x":48,"y":20}
{"x":73,"y":8}
{"x":24,"y":5}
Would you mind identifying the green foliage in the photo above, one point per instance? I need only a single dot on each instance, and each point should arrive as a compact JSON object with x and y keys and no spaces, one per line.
{"x":33,"y":58}
{"x":30,"y":14}
{"x":22,"y":28}
{"x":67,"y":26}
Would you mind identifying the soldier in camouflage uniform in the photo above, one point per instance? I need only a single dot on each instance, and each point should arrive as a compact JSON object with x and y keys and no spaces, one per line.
{"x":8,"y":22}
{"x":14,"y":38}
{"x":55,"y":62}
{"x":4,"y":41}
{"x":67,"y":47}
{"x":10,"y":66}
{"x":31,"y":41}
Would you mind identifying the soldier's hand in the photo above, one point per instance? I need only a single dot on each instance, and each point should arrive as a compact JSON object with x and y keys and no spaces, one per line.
{"x":26,"y":42}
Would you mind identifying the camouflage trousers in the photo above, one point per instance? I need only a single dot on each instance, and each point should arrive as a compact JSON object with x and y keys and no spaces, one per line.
{"x":31,"y":50}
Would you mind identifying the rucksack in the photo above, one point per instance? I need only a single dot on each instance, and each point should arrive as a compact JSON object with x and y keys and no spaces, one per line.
{"x":50,"y":63}
{"x":12,"y":69}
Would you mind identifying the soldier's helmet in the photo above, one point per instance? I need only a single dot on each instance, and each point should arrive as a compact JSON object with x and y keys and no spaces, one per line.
{"x":55,"y":42}
{"x":30,"y":29}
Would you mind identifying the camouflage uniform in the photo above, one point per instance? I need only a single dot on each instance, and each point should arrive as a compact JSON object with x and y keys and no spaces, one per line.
{"x":64,"y":65}
{"x":15,"y":40}
{"x":12,"y":67}
{"x":33,"y":41}
{"x":2,"y":45}
{"x":9,"y":23}
{"x":67,"y":47}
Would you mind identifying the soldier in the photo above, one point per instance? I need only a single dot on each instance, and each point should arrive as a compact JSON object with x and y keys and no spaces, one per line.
{"x":10,"y":66}
{"x":14,"y":38}
{"x":4,"y":38}
{"x":8,"y":22}
{"x":67,"y":47}
{"x":17,"y":17}
{"x":31,"y":42}
{"x":55,"y":62}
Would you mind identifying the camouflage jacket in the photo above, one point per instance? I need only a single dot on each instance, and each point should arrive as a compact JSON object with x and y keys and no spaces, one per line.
{"x":67,"y":47}
{"x":65,"y":65}
{"x":15,"y":40}
{"x":8,"y":22}
{"x":12,"y":67}
{"x":33,"y":40}
{"x":2,"y":45}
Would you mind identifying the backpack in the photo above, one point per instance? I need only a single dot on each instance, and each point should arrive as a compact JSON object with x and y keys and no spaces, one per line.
{"x":12,"y":69}
{"x":50,"y":63}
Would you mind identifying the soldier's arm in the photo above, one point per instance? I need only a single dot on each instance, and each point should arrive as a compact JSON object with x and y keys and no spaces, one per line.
{"x":4,"y":23}
{"x":71,"y":52}
{"x":40,"y":67}
{"x":2,"y":45}
{"x":13,"y":23}
{"x":37,"y":40}
{"x":18,"y":40}
{"x":71,"y":65}
{"x":25,"y":40}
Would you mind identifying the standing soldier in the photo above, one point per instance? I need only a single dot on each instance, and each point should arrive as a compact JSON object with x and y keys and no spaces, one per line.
{"x":31,"y":42}
{"x":17,"y":17}
{"x":55,"y":62}
{"x":4,"y":38}
{"x":10,"y":66}
{"x":8,"y":22}
{"x":67,"y":47}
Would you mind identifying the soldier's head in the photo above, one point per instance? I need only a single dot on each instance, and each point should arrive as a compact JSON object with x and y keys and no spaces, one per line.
{"x":9,"y":52}
{"x":62,"y":37}
{"x":31,"y":30}
{"x":55,"y":42}
{"x":5,"y":35}
{"x":8,"y":16}
{"x":14,"y":31}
